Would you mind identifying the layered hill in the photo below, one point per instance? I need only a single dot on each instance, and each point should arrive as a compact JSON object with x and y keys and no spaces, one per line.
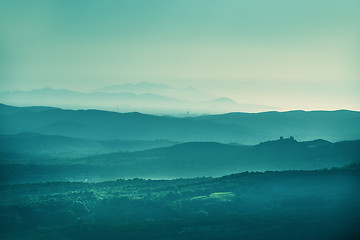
{"x":215,"y":159}
{"x":60,"y":146}
{"x":245,"y":128}
{"x":193,"y":159}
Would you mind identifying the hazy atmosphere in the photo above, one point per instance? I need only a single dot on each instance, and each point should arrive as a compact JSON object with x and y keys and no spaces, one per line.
{"x":285,"y":54}
{"x":179,"y":119}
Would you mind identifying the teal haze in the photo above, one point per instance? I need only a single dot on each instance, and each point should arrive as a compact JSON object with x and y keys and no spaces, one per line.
{"x":179,"y":119}
{"x":288,"y":54}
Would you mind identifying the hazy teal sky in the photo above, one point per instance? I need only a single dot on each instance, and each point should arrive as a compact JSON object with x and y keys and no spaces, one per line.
{"x":292,"y":54}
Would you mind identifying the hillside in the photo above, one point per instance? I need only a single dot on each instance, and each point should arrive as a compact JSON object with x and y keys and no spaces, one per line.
{"x":293,"y":205}
{"x":214,"y":159}
{"x":244,"y":128}
{"x":60,"y":146}
{"x":195,"y":159}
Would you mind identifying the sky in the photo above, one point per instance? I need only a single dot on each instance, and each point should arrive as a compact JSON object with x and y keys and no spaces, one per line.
{"x":290,"y":54}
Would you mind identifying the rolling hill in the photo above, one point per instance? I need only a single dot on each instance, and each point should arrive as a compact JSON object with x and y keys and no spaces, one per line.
{"x":60,"y":146}
{"x":293,"y":205}
{"x":215,"y":159}
{"x":194,"y":159}
{"x":244,"y":128}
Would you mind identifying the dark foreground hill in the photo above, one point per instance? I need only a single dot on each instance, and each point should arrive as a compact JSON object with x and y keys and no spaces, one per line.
{"x":292,"y":205}
{"x":183,"y":160}
{"x":245,"y":128}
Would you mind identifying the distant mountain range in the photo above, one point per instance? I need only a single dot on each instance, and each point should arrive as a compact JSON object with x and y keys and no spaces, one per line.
{"x":244,"y":128}
{"x":142,"y":97}
{"x":187,"y":94}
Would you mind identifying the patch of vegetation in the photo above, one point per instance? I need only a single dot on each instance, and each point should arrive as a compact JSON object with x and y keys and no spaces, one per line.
{"x":272,"y":205}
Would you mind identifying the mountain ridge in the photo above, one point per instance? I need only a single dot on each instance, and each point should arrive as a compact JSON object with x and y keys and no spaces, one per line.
{"x":244,"y":128}
{"x":188,"y":160}
{"x":178,"y":101}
